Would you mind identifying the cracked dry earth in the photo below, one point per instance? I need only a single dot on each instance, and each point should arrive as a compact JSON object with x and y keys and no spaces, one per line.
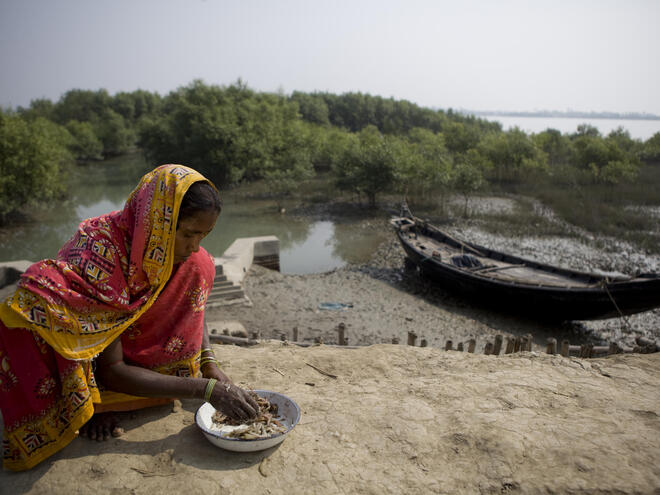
{"x":397,"y":419}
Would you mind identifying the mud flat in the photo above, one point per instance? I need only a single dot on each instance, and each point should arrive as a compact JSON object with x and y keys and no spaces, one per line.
{"x":384,"y":301}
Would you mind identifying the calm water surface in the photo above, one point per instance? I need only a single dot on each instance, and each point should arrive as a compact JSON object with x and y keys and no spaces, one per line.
{"x":305,"y":246}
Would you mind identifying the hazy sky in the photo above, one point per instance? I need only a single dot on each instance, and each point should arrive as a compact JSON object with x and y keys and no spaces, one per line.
{"x":473,"y":54}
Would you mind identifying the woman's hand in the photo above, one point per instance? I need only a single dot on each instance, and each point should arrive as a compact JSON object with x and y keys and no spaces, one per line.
{"x":233,"y":401}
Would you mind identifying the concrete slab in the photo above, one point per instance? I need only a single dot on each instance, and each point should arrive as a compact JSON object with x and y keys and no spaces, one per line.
{"x":243,"y":252}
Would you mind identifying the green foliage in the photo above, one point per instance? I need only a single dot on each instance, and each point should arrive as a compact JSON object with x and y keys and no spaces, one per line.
{"x":112,"y":131}
{"x":618,"y":171}
{"x":38,"y":108}
{"x":557,"y":147}
{"x":85,"y":145}
{"x":312,"y":109}
{"x":371,"y":145}
{"x":31,"y":156}
{"x":355,"y":111}
{"x":610,"y":160}
{"x":82,"y":105}
{"x":368,"y":166}
{"x":329,"y":145}
{"x":651,"y":149}
{"x":514,"y":155}
{"x":461,"y":137}
{"x":424,"y":165}
{"x":229,"y":133}
{"x":113,"y":120}
{"x":469,"y":174}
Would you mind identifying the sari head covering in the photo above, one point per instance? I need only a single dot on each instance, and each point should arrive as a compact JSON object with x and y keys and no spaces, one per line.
{"x":108,"y":274}
{"x":109,"y":279}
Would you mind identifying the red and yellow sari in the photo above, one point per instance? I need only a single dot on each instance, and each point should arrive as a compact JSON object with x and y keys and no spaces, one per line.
{"x":114,"y":277}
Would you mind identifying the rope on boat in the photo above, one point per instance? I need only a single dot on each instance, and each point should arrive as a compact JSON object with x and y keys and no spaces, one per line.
{"x":623,"y":317}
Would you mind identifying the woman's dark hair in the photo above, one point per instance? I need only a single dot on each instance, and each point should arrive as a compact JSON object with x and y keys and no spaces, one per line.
{"x":201,"y":196}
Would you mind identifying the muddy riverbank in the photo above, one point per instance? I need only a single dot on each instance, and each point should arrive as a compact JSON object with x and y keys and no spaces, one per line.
{"x":383,"y":300}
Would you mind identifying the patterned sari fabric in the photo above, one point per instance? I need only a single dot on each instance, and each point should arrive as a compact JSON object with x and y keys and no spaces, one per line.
{"x":106,"y":281}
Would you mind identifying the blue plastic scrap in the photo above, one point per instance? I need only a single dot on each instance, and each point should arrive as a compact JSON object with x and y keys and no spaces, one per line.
{"x":335,"y":306}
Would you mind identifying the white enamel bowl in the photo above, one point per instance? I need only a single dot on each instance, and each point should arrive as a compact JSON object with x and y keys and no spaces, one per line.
{"x":287,"y":410}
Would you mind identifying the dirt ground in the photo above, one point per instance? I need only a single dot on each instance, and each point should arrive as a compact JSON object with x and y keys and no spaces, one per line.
{"x":397,"y":419}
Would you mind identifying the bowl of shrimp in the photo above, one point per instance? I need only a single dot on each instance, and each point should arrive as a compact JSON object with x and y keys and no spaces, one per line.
{"x":278,"y":415}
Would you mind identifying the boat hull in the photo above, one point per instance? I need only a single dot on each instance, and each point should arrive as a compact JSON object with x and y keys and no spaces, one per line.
{"x":600,"y":301}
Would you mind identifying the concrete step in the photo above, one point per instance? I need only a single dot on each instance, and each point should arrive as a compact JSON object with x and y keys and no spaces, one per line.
{"x":225,"y":288}
{"x":225,"y":291}
{"x":230,"y":294}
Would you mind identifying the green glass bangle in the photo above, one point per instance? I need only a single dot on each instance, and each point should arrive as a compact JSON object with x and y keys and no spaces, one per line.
{"x":209,"y":389}
{"x":207,"y":349}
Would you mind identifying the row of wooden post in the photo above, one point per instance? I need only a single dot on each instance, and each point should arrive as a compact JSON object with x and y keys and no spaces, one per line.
{"x":513,"y":344}
{"x":524,"y":343}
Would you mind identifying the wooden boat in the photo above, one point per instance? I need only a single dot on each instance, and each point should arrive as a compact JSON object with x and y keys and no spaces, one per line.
{"x":521,"y":285}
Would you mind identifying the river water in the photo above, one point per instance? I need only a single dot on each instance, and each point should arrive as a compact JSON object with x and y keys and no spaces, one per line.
{"x":305,"y":246}
{"x":638,"y":129}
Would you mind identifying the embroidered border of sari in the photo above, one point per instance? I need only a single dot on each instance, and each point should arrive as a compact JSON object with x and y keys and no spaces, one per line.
{"x":108,"y":274}
{"x":104,"y":280}
{"x":48,"y":398}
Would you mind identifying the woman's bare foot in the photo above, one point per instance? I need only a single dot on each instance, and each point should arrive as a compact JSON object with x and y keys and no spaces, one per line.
{"x":101,"y":427}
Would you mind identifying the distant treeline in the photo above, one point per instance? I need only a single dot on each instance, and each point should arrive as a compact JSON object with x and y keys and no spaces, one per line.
{"x":234,"y":134}
{"x":570,"y":114}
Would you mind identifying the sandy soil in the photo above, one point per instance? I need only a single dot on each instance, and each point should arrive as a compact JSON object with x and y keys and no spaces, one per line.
{"x":397,"y":419}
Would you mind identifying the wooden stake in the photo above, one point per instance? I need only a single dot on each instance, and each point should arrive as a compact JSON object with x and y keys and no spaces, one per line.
{"x":488,"y":350}
{"x":472,"y":343}
{"x":449,"y":345}
{"x":510,"y":345}
{"x":498,"y":345}
{"x":340,"y":334}
{"x":564,"y":348}
{"x":295,"y":334}
{"x":459,"y":347}
{"x":551,"y":348}
{"x":530,"y":341}
{"x":395,"y":340}
{"x":517,"y":344}
{"x":423,"y":343}
{"x":412,"y":336}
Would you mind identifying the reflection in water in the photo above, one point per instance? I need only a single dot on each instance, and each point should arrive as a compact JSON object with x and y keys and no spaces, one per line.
{"x":93,"y":190}
{"x":305,"y":247}
{"x":314,"y":253}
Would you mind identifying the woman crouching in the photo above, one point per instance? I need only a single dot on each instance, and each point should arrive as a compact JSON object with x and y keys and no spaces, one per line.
{"x":115,"y":323}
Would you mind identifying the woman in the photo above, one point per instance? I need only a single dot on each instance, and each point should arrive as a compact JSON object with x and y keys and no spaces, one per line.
{"x":115,"y":323}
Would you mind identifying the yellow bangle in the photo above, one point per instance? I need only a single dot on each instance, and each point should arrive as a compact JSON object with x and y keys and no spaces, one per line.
{"x":207,"y":349}
{"x":209,"y":389}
